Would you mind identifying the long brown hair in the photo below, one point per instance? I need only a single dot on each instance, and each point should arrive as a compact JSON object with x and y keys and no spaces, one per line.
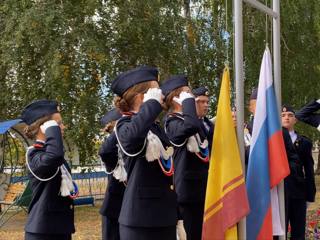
{"x":125,"y":103}
{"x":31,"y":130}
{"x":109,"y":127}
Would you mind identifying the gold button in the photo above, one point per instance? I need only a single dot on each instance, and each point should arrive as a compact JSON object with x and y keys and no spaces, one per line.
{"x":71,"y":207}
{"x":171,"y":187}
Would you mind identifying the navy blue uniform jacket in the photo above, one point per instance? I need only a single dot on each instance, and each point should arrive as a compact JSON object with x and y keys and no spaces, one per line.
{"x":190,"y":172}
{"x":112,"y":202}
{"x":308,"y":114}
{"x":209,"y":132}
{"x":149,"y":200}
{"x":300,"y":184}
{"x":49,"y":213}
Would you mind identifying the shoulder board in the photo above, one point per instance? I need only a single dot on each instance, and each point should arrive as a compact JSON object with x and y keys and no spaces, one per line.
{"x":124,"y":118}
{"x":176,"y":115}
{"x":119,"y":143}
{"x":305,"y":138}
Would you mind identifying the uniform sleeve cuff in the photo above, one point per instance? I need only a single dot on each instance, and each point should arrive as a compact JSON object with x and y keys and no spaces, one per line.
{"x":48,"y":124}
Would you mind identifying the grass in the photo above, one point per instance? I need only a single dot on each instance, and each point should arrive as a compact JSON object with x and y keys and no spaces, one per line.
{"x":88,"y":221}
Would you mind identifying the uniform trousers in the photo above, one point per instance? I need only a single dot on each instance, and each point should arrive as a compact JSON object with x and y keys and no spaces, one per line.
{"x":192,"y":215}
{"x":147,"y":233}
{"x":40,"y":236}
{"x":296,"y":215}
{"x":110,"y":228}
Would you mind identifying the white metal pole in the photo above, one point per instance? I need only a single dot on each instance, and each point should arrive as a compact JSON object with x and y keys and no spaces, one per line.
{"x":261,"y":7}
{"x":276,"y":53}
{"x":238,"y":45}
{"x":277,"y":85}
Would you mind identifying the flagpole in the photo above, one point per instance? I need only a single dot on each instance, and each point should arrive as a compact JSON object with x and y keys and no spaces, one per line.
{"x":277,"y":84}
{"x":238,"y":48}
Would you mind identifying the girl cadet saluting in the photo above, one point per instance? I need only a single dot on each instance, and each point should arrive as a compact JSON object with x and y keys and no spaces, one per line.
{"x":51,"y":215}
{"x":191,"y":154}
{"x":149,"y":207}
{"x":111,"y":205}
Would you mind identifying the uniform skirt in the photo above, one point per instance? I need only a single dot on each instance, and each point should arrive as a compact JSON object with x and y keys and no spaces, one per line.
{"x":147,"y":233}
{"x":39,"y":236}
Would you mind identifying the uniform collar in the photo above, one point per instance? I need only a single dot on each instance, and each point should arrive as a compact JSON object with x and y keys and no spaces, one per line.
{"x":38,"y":143}
{"x":293,"y":136}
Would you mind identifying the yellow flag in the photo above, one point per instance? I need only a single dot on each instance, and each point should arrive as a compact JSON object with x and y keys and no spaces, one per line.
{"x":226,"y":198}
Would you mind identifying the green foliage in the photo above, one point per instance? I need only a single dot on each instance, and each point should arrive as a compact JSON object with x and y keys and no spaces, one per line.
{"x":53,"y":49}
{"x":71,"y":51}
{"x":300,"y":64}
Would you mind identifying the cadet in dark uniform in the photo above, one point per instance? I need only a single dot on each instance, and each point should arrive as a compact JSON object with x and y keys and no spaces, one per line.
{"x":300,"y":186}
{"x":111,"y":206}
{"x":149,"y":207}
{"x":308,"y":114}
{"x":191,"y":155}
{"x":50,"y":214}
{"x":249,"y":125}
{"x":202,"y":106}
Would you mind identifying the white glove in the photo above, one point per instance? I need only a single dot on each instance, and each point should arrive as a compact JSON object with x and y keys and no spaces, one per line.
{"x":153,"y":93}
{"x":181,"y":232}
{"x":183,"y":96}
{"x":318,"y":101}
{"x":192,"y":145}
{"x":318,"y":128}
{"x":48,"y":124}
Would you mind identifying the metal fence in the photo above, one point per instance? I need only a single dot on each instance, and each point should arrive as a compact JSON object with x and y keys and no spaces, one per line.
{"x":90,"y":183}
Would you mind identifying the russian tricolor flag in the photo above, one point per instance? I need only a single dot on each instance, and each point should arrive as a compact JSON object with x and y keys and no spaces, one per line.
{"x":268,"y":164}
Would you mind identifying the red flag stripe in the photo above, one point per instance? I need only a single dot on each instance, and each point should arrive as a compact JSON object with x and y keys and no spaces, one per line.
{"x":266,"y":229}
{"x":226,"y":217}
{"x":278,"y":162}
{"x":232,"y":182}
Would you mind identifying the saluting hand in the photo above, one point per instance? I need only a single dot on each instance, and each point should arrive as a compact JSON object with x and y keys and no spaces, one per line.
{"x":153,"y":93}
{"x":48,"y":124}
{"x":183,"y":96}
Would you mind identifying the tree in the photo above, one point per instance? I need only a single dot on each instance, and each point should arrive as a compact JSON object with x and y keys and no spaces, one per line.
{"x":72,"y":50}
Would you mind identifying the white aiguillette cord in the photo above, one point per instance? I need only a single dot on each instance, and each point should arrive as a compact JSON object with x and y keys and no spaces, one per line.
{"x":40,"y":179}
{"x":124,"y":151}
{"x":174,"y":144}
{"x":66,"y":180}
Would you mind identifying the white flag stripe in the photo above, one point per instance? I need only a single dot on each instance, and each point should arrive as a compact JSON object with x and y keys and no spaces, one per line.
{"x":276,"y":221}
{"x":265,"y":81}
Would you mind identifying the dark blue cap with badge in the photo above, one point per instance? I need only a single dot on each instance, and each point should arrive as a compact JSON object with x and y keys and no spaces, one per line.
{"x":254,"y":94}
{"x":200,"y":91}
{"x":173,"y":83}
{"x":287,"y":108}
{"x":110,"y":116}
{"x":128,"y":79}
{"x":38,"y":109}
